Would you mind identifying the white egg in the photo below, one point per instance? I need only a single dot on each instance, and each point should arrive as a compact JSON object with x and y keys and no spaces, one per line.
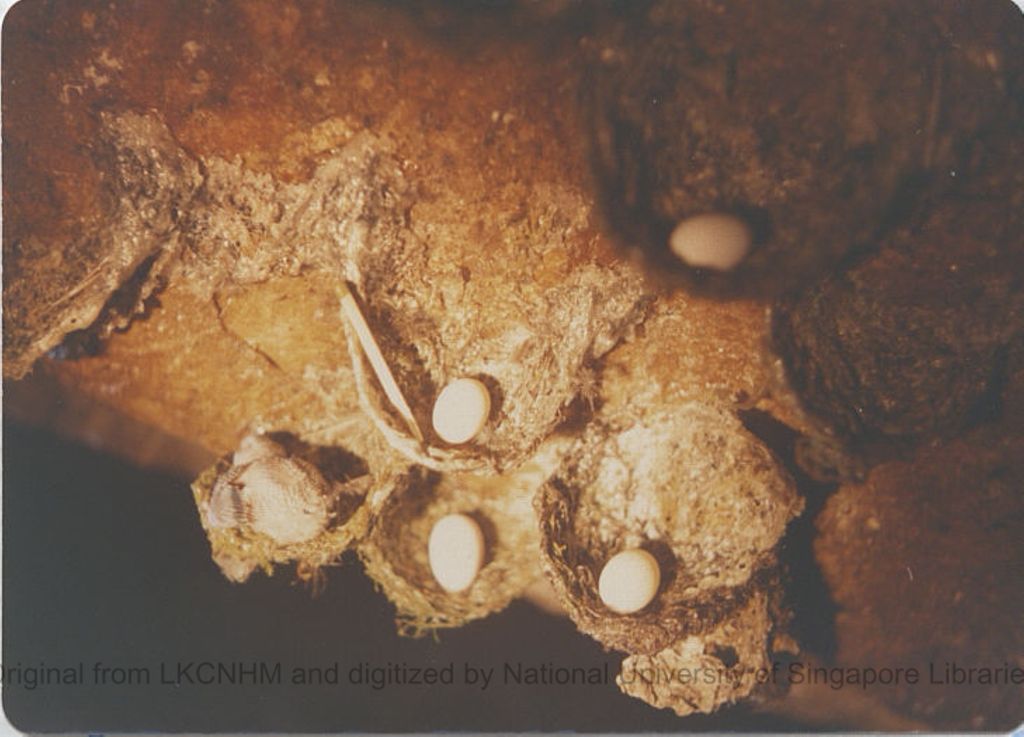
{"x":629,"y":581}
{"x":461,"y":410}
{"x":712,"y":241}
{"x":456,"y":552}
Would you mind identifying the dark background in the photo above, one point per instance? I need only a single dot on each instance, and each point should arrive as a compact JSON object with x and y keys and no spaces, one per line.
{"x":106,"y":562}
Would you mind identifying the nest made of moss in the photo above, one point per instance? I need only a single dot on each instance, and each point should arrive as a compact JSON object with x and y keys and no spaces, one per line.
{"x":689,"y":484}
{"x":395,"y":552}
{"x":341,"y":481}
{"x":909,"y":344}
{"x":439,"y":315}
{"x":891,"y":98}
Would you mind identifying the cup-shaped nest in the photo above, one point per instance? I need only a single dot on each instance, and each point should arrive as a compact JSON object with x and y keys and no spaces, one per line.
{"x":860,"y":115}
{"x":909,"y":344}
{"x":688,"y":484}
{"x":531,"y":342}
{"x":396,"y":554}
{"x":277,"y":500}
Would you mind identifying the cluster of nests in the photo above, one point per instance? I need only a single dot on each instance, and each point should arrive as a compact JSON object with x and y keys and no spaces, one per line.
{"x":869,"y":196}
{"x":656,"y":520}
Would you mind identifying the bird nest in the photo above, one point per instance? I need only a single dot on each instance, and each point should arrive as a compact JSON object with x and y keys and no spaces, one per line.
{"x":688,"y":484}
{"x":277,"y":500}
{"x":533,"y":346}
{"x":395,"y":552}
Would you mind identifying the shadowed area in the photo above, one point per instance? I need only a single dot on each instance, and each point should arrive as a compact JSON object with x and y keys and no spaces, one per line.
{"x":106,"y":563}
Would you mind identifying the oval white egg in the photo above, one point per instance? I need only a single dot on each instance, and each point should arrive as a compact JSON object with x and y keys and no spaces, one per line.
{"x":712,"y":241}
{"x":461,"y":410}
{"x":456,"y":552}
{"x":629,"y":581}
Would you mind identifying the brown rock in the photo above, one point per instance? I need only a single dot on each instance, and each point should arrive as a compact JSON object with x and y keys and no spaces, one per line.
{"x":923,"y":560}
